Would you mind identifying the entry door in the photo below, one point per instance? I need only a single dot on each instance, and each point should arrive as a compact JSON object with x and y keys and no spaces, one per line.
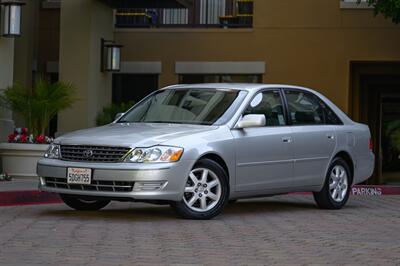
{"x":264,"y":155}
{"x":313,"y":140}
{"x":379,"y":108}
{"x":390,"y":138}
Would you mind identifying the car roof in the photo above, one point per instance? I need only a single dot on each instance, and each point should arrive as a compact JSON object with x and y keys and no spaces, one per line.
{"x":236,"y":86}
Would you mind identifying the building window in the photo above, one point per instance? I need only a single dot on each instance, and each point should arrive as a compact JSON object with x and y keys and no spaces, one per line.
{"x":220,"y":78}
{"x":200,"y":13}
{"x":211,"y":10}
{"x":175,"y":16}
{"x":132,"y":87}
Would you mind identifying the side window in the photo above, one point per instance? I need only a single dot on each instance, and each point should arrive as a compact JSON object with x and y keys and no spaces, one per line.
{"x":304,"y":108}
{"x":268,"y":103}
{"x":330,"y":117}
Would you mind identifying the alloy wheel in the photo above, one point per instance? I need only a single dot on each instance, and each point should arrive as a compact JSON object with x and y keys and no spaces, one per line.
{"x":338,"y":183}
{"x":202,"y":190}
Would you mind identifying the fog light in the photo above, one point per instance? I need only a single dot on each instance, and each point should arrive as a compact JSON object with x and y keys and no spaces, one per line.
{"x":149,"y":186}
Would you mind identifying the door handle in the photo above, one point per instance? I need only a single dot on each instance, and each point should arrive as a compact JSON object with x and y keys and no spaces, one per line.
{"x":330,"y":136}
{"x":287,"y":139}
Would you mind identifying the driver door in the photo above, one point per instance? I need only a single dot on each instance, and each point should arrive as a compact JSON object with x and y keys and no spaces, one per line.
{"x":264,"y":155}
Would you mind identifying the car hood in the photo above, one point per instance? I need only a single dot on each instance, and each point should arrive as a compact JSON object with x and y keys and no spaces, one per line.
{"x":131,"y":135}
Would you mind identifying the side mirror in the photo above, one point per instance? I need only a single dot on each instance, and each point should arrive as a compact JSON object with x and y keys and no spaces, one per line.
{"x":117,"y":116}
{"x":251,"y":121}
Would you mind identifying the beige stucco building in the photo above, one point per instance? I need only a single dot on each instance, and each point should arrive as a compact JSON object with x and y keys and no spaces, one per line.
{"x":336,"y":47}
{"x":6,"y":79}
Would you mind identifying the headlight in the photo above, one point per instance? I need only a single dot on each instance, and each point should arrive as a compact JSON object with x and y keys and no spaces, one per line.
{"x":53,"y":151}
{"x":157,"y":154}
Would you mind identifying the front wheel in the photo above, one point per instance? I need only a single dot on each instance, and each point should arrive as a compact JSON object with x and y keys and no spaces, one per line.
{"x":81,"y":204}
{"x":336,"y":190}
{"x":206,"y":192}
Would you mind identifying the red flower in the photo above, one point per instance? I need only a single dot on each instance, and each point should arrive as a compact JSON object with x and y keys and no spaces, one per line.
{"x":40,"y":139}
{"x":24,"y":131}
{"x":11,"y":137}
{"x":23,"y":138}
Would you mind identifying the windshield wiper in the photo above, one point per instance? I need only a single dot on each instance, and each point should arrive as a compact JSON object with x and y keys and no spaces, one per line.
{"x":179,"y":122}
{"x":165,"y":122}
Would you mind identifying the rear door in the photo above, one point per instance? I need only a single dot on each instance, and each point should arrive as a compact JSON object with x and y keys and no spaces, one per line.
{"x":313,"y":140}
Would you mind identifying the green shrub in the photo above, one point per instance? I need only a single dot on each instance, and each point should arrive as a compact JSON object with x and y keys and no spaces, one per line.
{"x":389,"y":8}
{"x":108,"y":113}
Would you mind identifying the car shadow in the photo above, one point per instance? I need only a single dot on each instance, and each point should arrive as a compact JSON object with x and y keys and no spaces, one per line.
{"x":250,"y":206}
{"x":281,"y":205}
{"x":142,"y":213}
{"x":148,"y":212}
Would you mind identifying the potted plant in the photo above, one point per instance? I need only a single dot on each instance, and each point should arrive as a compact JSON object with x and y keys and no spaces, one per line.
{"x":37,"y":106}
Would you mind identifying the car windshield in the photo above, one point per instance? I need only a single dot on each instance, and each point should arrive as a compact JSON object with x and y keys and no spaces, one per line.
{"x":186,"y":106}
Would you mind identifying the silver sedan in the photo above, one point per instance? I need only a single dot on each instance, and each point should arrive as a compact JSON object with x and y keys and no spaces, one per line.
{"x":199,"y":147}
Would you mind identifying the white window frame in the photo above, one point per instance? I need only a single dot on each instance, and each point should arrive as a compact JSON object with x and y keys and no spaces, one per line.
{"x":141,"y":67}
{"x":221,"y":67}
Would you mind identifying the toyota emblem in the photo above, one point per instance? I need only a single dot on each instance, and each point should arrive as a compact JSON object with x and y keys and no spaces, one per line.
{"x":88,"y":153}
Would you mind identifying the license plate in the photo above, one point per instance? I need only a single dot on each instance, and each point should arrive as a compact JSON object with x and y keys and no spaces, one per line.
{"x":81,"y":176}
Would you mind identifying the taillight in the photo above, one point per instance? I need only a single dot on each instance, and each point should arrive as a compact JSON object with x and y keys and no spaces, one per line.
{"x":371,"y":145}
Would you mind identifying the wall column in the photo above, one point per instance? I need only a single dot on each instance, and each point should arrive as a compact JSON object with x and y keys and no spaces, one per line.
{"x":25,"y":47}
{"x":82,"y":25}
{"x":6,"y":80}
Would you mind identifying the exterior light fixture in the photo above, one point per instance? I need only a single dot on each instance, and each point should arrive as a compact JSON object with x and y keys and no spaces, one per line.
{"x":12,"y":18}
{"x":110,"y":56}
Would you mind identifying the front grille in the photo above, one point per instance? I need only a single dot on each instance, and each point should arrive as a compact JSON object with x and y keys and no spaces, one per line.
{"x":96,"y":185}
{"x":86,"y":153}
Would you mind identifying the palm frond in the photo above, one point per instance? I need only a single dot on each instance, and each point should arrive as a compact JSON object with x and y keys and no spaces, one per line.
{"x":40,"y":104}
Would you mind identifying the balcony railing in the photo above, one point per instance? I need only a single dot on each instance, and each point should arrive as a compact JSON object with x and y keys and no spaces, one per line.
{"x":202,"y":14}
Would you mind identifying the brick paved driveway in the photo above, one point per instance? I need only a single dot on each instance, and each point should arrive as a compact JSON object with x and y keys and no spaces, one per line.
{"x":278,"y":230}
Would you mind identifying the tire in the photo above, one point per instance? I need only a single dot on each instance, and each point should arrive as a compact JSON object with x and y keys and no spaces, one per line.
{"x":206,"y":192}
{"x":79,"y":204}
{"x":338,"y":179}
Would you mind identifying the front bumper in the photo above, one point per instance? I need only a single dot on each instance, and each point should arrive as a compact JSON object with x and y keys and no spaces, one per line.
{"x":145,"y":177}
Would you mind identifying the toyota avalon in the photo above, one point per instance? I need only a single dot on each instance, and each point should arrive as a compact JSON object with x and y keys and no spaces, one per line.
{"x":198,"y":147}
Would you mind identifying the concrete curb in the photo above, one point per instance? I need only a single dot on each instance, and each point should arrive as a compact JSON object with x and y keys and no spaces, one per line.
{"x":27,"y":197}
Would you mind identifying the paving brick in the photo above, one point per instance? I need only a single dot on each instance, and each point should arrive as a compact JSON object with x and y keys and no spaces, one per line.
{"x":281,"y":230}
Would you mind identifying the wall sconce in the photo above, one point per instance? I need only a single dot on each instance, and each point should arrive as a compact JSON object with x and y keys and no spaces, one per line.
{"x":12,"y":18}
{"x":110,"y":56}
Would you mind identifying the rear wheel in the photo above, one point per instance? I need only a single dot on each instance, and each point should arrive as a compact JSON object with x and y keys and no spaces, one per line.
{"x":80,"y":204}
{"x":336,"y":190}
{"x":206,"y":192}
